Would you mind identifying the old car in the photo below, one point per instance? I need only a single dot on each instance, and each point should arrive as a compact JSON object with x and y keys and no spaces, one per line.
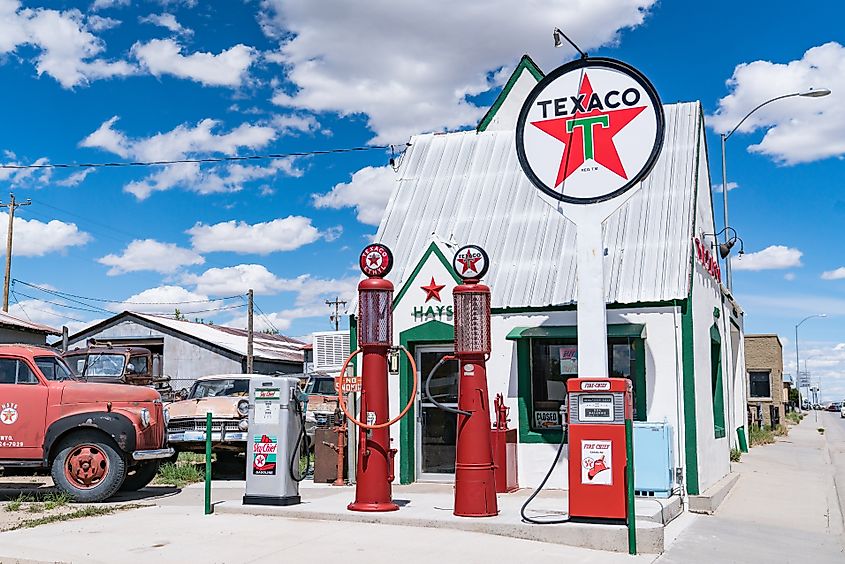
{"x":322,"y":403}
{"x":120,"y":365}
{"x":96,"y":439}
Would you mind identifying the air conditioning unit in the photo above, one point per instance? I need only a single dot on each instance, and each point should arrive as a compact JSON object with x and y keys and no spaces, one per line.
{"x":330,"y":350}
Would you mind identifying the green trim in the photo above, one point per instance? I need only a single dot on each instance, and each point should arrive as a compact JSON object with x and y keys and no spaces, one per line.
{"x":740,"y":435}
{"x":432,"y":249}
{"x":573,"y":307}
{"x":716,"y":382}
{"x":525,"y":63}
{"x":690,"y":436}
{"x":523,"y":378}
{"x":353,"y":341}
{"x":632,"y":330}
{"x":640,"y":398}
{"x":428,"y":333}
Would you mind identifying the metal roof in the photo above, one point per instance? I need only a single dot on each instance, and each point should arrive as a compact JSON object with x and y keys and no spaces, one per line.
{"x":7,"y":320}
{"x":468,"y":187}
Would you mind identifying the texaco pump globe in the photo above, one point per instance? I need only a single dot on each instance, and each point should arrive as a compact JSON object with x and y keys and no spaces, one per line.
{"x":590,"y":130}
{"x":471,"y":262}
{"x":376,"y":260}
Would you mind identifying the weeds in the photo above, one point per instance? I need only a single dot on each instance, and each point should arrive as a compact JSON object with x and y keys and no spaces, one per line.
{"x":54,"y":500}
{"x":736,"y":454}
{"x":762,"y":436}
{"x":178,"y":475}
{"x":794,"y":417}
{"x":87,"y":511}
{"x":781,"y":430}
{"x":15,"y":504}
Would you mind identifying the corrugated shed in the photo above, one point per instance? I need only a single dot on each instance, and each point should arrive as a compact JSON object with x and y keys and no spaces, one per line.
{"x":12,"y":322}
{"x":468,"y":187}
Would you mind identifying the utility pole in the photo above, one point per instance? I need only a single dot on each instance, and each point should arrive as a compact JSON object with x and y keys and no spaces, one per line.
{"x":12,"y":205}
{"x":249,"y":331}
{"x":335,"y":317}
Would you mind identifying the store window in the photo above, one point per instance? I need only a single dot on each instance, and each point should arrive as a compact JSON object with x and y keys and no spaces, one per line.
{"x":554,"y":361}
{"x":759,"y":384}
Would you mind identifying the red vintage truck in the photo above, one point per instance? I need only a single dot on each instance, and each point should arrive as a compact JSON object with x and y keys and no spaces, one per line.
{"x":96,"y":439}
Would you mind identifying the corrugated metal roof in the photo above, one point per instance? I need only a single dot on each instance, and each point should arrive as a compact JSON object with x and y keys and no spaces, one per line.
{"x":7,"y":320}
{"x":468,"y":187}
{"x":265,"y":346}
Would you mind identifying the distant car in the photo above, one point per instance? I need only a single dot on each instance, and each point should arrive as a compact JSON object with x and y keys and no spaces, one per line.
{"x":834,"y":407}
{"x":842,"y":411}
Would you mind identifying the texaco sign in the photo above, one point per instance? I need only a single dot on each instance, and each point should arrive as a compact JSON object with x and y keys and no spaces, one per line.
{"x":376,"y":260}
{"x":590,"y":130}
{"x":471,"y":262}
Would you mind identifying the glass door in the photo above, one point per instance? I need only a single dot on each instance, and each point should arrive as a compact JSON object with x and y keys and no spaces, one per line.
{"x":436,"y":429}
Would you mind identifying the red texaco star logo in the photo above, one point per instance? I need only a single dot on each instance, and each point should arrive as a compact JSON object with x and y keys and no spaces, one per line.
{"x":468,"y":263}
{"x":374,"y":260}
{"x":588,"y":135}
{"x":432,"y":291}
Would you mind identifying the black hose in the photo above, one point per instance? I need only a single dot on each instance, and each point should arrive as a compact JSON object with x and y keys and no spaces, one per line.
{"x":295,"y":456}
{"x":428,"y":389}
{"x":542,"y":485}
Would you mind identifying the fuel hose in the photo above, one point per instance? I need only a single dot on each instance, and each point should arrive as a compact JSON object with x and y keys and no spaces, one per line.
{"x":522,"y":509}
{"x":302,"y":438}
{"x":439,"y":405}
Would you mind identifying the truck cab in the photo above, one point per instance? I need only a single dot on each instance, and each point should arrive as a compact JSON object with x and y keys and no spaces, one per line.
{"x":108,"y":364}
{"x":96,"y":439}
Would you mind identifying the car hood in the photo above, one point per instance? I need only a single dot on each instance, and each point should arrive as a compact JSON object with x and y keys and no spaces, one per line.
{"x":218,"y":407}
{"x":88,"y":392}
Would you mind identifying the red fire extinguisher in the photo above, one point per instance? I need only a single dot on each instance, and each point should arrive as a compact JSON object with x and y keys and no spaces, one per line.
{"x":375,"y":333}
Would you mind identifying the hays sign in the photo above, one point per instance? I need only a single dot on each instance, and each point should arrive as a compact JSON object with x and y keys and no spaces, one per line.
{"x":706,"y":258}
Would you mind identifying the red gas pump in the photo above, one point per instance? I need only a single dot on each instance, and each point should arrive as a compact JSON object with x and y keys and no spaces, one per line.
{"x":598,"y":409}
{"x":375,"y":333}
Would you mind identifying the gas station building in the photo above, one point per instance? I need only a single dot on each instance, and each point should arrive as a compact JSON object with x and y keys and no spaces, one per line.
{"x":673,"y":329}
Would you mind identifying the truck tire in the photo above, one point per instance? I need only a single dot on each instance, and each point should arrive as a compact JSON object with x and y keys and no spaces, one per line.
{"x":140,"y":476}
{"x":88,"y":467}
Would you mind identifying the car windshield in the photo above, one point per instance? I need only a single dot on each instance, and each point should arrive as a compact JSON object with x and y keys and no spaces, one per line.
{"x":105,"y":365}
{"x":321,"y":386}
{"x":53,"y":368}
{"x":219,"y":388}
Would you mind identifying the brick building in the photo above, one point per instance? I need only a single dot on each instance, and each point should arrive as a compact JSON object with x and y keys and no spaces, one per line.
{"x":764,"y":366}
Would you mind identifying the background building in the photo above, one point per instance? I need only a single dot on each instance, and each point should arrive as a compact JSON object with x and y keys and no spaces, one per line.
{"x":14,"y":330}
{"x":764,"y":363}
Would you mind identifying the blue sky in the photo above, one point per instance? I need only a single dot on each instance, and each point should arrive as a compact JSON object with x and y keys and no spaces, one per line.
{"x":117,"y":80}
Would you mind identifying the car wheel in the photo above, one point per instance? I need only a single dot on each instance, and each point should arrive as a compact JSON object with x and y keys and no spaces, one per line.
{"x":140,"y":476}
{"x":88,"y":467}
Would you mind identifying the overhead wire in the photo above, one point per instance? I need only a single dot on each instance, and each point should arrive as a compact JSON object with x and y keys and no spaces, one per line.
{"x":265,"y":317}
{"x":53,"y":313}
{"x":104,"y":300}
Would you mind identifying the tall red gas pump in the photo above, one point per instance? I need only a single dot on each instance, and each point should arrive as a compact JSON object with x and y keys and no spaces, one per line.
{"x":375,"y":333}
{"x":475,"y":483}
{"x":598,"y":410}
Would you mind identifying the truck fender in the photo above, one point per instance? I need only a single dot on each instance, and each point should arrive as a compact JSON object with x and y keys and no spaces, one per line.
{"x":116,"y":425}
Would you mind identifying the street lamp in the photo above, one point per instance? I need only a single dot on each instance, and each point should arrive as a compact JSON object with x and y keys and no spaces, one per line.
{"x":797,"y":362}
{"x":812,"y":93}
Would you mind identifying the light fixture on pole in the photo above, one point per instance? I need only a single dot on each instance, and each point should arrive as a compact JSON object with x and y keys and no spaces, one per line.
{"x":559,"y":36}
{"x":797,"y":361}
{"x":812,"y":93}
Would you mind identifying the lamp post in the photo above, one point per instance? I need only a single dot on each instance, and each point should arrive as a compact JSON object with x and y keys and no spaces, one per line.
{"x":806,"y":94}
{"x":797,"y":361}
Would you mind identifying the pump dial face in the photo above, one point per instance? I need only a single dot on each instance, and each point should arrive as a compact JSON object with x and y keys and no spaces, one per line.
{"x":471,"y":262}
{"x":376,"y":260}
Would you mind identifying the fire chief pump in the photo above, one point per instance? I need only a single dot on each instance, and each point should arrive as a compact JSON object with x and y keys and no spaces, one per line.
{"x":475,"y":484}
{"x":375,"y":331}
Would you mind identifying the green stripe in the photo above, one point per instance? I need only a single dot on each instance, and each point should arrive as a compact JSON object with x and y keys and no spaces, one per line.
{"x":524,"y":64}
{"x":690,"y":437}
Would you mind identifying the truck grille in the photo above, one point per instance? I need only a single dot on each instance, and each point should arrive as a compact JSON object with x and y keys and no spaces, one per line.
{"x":217,"y":425}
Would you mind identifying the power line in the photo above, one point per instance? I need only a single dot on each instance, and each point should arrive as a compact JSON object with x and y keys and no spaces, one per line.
{"x":104,"y":300}
{"x":68,"y":306}
{"x":101,"y":310}
{"x":269,"y":156}
{"x":265,"y":317}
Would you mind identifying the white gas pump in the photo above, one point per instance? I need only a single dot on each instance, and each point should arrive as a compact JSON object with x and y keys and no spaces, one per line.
{"x":276,"y":429}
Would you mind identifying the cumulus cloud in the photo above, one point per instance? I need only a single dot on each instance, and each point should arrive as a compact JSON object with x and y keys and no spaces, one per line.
{"x":167,"y":21}
{"x":105,"y":4}
{"x":295,"y":123}
{"x":837,"y":274}
{"x":774,"y":257}
{"x":101,"y":23}
{"x":76,"y":178}
{"x":25,"y":176}
{"x":368,"y":192}
{"x":35,"y":238}
{"x":399,"y":66}
{"x":236,"y":280}
{"x":283,"y":234}
{"x":717,"y":188}
{"x":798,"y":129}
{"x":152,"y":255}
{"x":166,"y":299}
{"x":164,"y":57}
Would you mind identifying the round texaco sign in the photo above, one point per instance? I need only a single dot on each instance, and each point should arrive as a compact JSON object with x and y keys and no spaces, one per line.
{"x":471,"y":262}
{"x":376,"y":260}
{"x":590,"y":131}
{"x":8,"y":413}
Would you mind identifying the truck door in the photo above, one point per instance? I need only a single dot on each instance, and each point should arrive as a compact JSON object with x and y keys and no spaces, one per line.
{"x":23,"y":410}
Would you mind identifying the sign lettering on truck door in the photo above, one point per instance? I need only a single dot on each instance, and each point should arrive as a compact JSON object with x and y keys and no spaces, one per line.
{"x":23,"y":409}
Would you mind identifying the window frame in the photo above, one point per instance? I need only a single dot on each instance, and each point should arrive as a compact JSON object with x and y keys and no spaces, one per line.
{"x":768,"y":374}
{"x":18,"y":360}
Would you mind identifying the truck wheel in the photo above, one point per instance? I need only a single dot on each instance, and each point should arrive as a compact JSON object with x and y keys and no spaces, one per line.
{"x":139,"y":476}
{"x":88,"y":467}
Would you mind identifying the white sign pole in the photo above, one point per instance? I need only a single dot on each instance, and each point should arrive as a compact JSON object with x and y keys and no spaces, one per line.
{"x":591,"y":312}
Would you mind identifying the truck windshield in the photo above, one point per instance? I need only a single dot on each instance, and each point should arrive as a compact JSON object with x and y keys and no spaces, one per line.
{"x":321,"y":386}
{"x":218,"y":388}
{"x":105,"y":365}
{"x":53,"y":368}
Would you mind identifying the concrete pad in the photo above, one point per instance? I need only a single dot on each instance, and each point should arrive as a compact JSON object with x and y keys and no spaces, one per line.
{"x":712,"y":498}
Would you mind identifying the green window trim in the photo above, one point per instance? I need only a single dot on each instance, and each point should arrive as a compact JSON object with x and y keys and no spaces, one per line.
{"x":522,"y":337}
{"x":716,"y":383}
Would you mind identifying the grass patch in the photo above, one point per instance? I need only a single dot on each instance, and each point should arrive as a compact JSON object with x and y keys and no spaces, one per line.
{"x":87,"y":511}
{"x":54,"y":500}
{"x":762,"y":436}
{"x":179,"y":475}
{"x":17,"y":503}
{"x":781,"y":430}
{"x":794,"y":417}
{"x":736,"y":454}
{"x":191,"y":458}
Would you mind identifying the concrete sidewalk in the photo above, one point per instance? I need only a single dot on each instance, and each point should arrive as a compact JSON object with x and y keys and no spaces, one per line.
{"x":784,"y":509}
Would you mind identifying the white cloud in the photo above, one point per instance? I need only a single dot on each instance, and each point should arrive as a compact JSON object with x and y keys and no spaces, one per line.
{"x":35,"y":238}
{"x":717,"y":188}
{"x":101,"y":23}
{"x":25,"y":176}
{"x":234,"y":280}
{"x":105,"y":4}
{"x":76,"y":178}
{"x":295,"y":123}
{"x":837,"y":274}
{"x":798,"y":129}
{"x":825,"y":361}
{"x":283,"y":234}
{"x":149,"y":254}
{"x":368,"y":192}
{"x":774,"y":257}
{"x":167,"y":21}
{"x":789,"y":276}
{"x":166,"y":299}
{"x":411,"y":69}
{"x":164,"y":57}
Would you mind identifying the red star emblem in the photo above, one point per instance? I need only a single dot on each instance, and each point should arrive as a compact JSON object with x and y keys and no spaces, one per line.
{"x":432,"y":290}
{"x":9,"y":415}
{"x":468,"y":263}
{"x":374,"y":259}
{"x":588,"y":134}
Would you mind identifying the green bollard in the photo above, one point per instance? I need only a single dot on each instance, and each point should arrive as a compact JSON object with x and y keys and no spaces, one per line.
{"x":629,"y":475}
{"x":208,"y":463}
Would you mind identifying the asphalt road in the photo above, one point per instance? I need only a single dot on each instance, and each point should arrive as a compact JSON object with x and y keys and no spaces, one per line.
{"x":834,"y":426}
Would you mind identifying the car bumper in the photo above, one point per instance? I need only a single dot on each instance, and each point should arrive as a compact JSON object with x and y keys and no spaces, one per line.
{"x":199,"y":437}
{"x":156,"y":454}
